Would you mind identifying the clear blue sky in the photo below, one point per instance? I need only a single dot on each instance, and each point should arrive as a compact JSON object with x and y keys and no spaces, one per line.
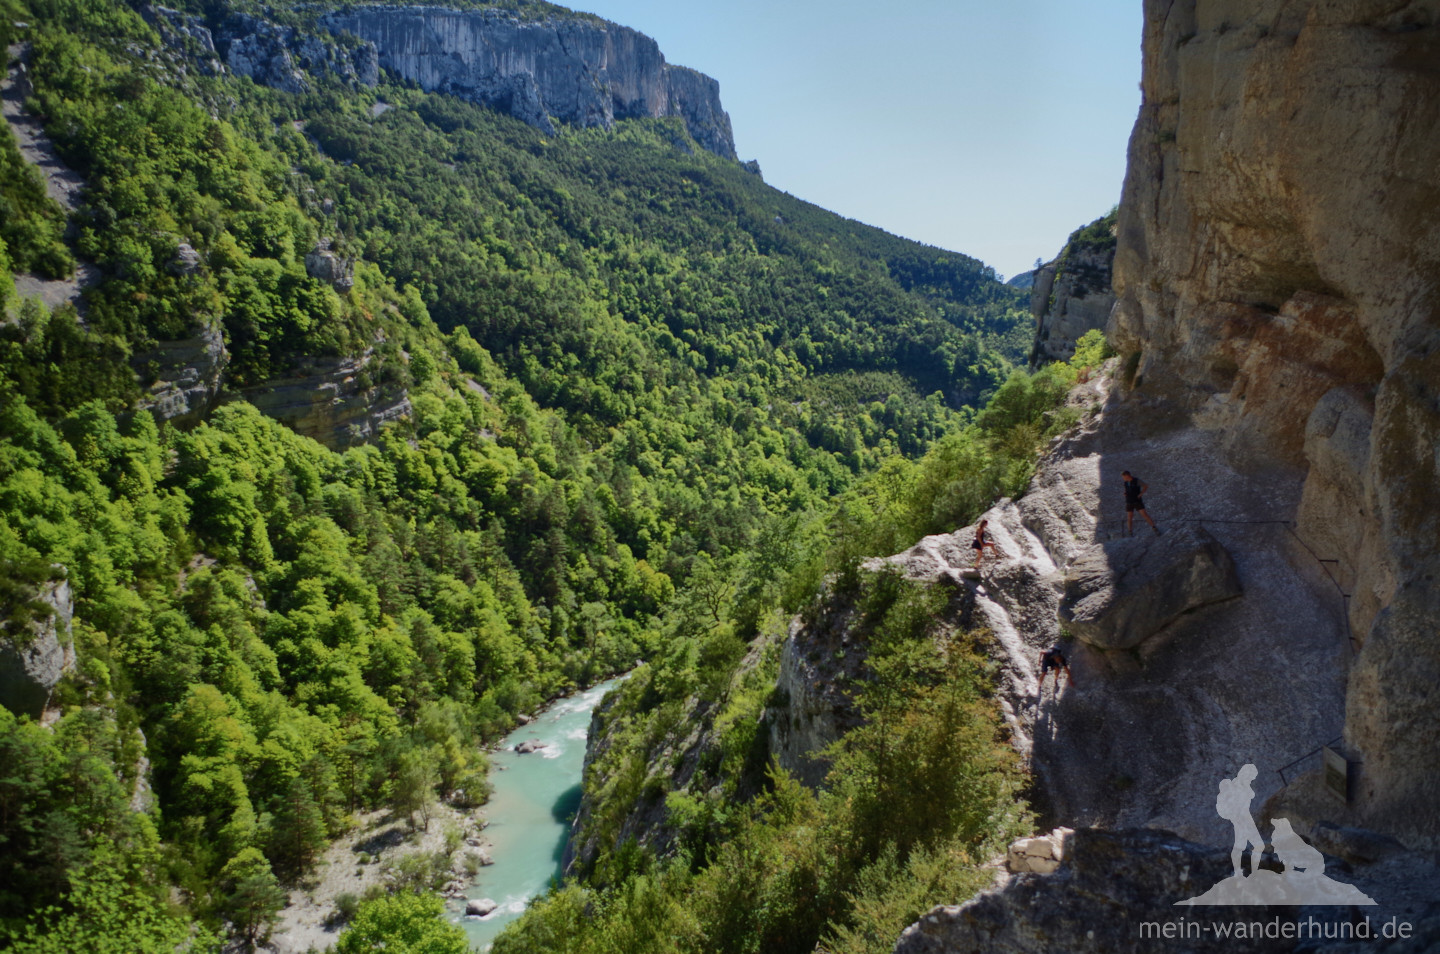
{"x":990,"y":127}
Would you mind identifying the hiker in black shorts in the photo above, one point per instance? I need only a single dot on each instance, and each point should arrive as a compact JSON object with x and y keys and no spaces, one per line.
{"x":981,"y":541}
{"x":1135,"y":501}
{"x":1054,"y":658}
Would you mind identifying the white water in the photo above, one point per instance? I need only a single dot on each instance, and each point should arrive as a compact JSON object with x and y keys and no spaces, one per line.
{"x":534,"y":799}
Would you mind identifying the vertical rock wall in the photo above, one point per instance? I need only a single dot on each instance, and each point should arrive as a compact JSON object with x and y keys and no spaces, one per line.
{"x":1278,"y":246}
{"x":1072,"y":294}
{"x":582,"y":70}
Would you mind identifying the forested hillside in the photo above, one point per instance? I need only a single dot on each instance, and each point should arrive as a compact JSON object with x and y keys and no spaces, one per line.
{"x":635,"y":375}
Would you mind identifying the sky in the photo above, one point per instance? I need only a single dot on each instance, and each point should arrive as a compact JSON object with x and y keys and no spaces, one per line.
{"x":989,"y":127}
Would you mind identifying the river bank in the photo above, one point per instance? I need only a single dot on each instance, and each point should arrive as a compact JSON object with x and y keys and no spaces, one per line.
{"x":379,"y":848}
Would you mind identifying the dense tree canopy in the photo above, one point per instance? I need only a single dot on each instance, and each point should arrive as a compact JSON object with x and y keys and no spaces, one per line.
{"x":653,"y":403}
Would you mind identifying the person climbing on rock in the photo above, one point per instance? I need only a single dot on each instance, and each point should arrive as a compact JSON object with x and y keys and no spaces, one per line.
{"x":1135,"y":501}
{"x":981,"y":541}
{"x":1054,"y":658}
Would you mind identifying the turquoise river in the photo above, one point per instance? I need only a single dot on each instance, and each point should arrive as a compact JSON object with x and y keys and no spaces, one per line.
{"x":535,"y":796}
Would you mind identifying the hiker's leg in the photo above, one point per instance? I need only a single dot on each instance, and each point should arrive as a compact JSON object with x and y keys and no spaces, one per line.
{"x":1146,"y":515}
{"x":1129,"y":522}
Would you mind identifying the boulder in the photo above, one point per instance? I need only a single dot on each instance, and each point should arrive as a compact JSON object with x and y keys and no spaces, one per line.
{"x":1121,"y":592}
{"x":528,"y":746}
{"x":479,"y":907}
{"x":1041,"y":854}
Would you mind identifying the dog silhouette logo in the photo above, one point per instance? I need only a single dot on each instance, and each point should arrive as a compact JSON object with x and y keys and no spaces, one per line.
{"x":1303,"y":880}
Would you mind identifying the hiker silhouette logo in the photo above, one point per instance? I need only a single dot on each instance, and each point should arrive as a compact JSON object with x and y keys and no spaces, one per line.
{"x":1302,"y":882}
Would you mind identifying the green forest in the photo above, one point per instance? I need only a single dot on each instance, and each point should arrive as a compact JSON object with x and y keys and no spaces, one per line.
{"x":641,"y":384}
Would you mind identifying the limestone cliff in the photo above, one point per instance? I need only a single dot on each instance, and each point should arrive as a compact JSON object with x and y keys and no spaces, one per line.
{"x":581,"y":70}
{"x":37,"y":654}
{"x":332,"y":400}
{"x":1278,"y":243}
{"x":1071,"y":295}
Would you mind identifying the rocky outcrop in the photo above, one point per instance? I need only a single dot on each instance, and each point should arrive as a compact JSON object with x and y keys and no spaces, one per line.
{"x":1110,"y":884}
{"x":1115,"y":892}
{"x":185,"y":375}
{"x":1144,"y":732}
{"x":812,"y":705}
{"x":580,"y":70}
{"x":1071,"y":295}
{"x":33,"y":661}
{"x":324,"y":264}
{"x":281,"y":57}
{"x":1041,"y":854}
{"x":332,"y":400}
{"x":1122,"y":592}
{"x":1275,"y":274}
{"x":184,"y":34}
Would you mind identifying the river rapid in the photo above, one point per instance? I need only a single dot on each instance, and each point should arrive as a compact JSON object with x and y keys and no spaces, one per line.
{"x":534,"y":798}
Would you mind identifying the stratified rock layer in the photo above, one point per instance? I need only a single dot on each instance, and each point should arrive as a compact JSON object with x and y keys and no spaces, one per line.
{"x":331,"y":400}
{"x":1278,"y":243}
{"x":582,"y":70}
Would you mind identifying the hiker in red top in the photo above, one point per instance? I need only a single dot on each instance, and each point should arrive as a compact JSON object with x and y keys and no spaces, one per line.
{"x":1134,"y":501}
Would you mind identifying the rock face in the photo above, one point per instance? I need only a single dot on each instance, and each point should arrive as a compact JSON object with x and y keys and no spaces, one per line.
{"x":819,"y":662}
{"x":32,"y":664}
{"x":280,"y":56}
{"x":1072,"y":294}
{"x":1143,"y":735}
{"x":325,"y":265}
{"x":1275,"y":271}
{"x":331,"y":400}
{"x":184,"y":34}
{"x":1115,"y":892}
{"x":1111,"y":883}
{"x":186,"y":375}
{"x":1122,"y":592}
{"x":581,"y":70}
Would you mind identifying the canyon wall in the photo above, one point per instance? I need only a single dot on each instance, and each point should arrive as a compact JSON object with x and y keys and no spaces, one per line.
{"x":1072,"y":294}
{"x":582,"y":70}
{"x":1278,"y":242}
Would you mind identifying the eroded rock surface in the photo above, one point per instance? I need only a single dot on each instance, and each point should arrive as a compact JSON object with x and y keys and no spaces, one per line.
{"x":281,"y":57}
{"x":186,"y":375}
{"x":1120,"y":593}
{"x":331,"y":400}
{"x":1072,"y":294}
{"x":1275,"y":271}
{"x":581,"y":70}
{"x":1110,"y":883}
{"x":32,"y":662}
{"x":1145,"y":732}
